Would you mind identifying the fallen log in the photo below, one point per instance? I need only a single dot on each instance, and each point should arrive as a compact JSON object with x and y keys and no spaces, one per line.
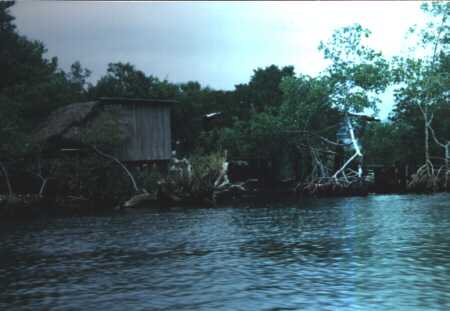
{"x":139,"y":199}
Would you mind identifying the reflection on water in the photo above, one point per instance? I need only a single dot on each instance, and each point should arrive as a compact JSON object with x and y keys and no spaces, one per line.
{"x":374,"y":253}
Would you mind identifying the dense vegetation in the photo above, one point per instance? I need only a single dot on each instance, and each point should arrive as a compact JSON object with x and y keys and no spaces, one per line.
{"x":276,"y":110}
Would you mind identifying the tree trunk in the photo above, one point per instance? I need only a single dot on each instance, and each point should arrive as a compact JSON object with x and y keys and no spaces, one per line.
{"x":447,"y":154}
{"x":355,"y":155}
{"x":427,"y":144}
{"x":447,"y":158}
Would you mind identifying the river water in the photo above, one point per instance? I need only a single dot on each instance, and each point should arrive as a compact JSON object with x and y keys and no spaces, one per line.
{"x":372,"y":253}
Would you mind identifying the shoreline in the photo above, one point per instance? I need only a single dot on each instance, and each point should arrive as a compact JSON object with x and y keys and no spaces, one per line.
{"x":35,"y":206}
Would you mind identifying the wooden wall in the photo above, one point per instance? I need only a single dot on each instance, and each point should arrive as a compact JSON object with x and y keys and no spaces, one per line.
{"x":149,"y":132}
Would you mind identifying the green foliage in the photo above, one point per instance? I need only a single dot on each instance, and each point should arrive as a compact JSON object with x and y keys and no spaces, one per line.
{"x":104,"y":131}
{"x":306,"y":104}
{"x":423,"y":84}
{"x":150,"y":178}
{"x":438,"y":29}
{"x":193,"y":180}
{"x":31,"y":86}
{"x":305,"y":112}
{"x":264,"y":87}
{"x":124,"y":80}
{"x":10,"y":124}
{"x":193,"y":103}
{"x":258,"y":137}
{"x":381,"y":144}
{"x":91,"y":177}
{"x":260,"y":95}
{"x":425,"y":80}
{"x":357,"y":73}
{"x":6,"y":19}
{"x":205,"y":167}
{"x":275,"y":110}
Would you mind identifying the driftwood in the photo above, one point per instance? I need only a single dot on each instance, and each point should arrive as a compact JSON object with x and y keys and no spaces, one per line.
{"x":139,"y":199}
{"x":186,"y":185}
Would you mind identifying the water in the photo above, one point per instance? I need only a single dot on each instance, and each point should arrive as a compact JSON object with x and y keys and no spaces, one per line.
{"x":374,"y":253}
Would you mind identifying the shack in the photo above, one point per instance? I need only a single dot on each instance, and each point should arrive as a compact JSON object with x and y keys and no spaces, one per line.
{"x":149,"y":128}
{"x":144,"y":127}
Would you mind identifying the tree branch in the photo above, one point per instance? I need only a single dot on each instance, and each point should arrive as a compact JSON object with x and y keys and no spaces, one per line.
{"x":8,"y":183}
{"x":434,"y":136}
{"x":120,"y":164}
{"x":345,"y":165}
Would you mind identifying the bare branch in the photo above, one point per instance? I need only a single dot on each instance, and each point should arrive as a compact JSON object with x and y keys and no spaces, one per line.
{"x":345,"y":165}
{"x":120,"y":164}
{"x":44,"y":183}
{"x":434,"y":136}
{"x":8,"y":183}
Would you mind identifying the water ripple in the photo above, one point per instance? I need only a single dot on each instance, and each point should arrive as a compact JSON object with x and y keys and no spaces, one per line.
{"x":374,"y":253}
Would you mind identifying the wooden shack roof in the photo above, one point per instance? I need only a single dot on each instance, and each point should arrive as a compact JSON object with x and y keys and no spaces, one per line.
{"x":61,"y":122}
{"x":62,"y":119}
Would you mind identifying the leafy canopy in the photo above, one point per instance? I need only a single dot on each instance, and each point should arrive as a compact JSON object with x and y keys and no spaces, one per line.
{"x":357,"y":73}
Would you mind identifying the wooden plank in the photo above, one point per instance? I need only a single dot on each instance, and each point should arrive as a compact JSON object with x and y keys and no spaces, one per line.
{"x":140,"y":135}
{"x":167,"y":134}
{"x":161,"y":133}
{"x":150,"y":132}
{"x":153,"y":135}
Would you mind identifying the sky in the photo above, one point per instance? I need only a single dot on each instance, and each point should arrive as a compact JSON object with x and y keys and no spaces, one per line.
{"x":218,"y":44}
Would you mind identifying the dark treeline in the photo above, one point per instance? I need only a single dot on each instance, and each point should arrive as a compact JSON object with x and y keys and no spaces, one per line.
{"x":277,"y":111}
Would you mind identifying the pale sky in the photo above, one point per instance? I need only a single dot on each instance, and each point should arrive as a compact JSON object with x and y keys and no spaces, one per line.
{"x":218,"y":44}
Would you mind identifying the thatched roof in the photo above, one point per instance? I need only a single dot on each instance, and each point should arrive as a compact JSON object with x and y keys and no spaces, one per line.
{"x":102,"y":122}
{"x":63,"y":119}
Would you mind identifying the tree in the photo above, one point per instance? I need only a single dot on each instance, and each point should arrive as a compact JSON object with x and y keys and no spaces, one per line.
{"x":262,"y":92}
{"x":355,"y":78}
{"x":380,"y":138}
{"x":357,"y":73}
{"x":31,"y":86}
{"x":254,"y":109}
{"x":123,"y":80}
{"x":310,"y":122}
{"x":425,"y":83}
{"x":6,"y":19}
